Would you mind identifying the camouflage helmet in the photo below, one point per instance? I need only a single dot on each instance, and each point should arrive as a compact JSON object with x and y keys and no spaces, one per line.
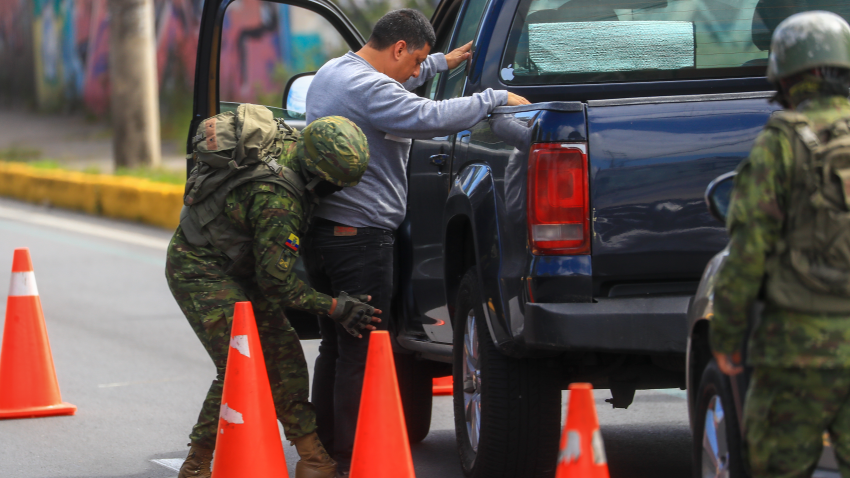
{"x":334,"y":149}
{"x":808,"y":40}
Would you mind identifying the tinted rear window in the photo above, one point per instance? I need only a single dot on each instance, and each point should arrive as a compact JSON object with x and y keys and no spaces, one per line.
{"x":587,"y":41}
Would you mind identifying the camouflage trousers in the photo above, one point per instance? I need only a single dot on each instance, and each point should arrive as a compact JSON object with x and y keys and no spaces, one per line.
{"x":786,"y":412}
{"x":209,"y":309}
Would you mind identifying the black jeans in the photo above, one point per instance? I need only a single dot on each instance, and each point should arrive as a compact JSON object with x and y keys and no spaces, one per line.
{"x":357,"y":261}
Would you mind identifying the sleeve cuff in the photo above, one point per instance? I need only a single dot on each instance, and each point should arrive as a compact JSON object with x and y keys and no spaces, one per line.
{"x":725,"y":344}
{"x":440,"y":61}
{"x":502,"y":97}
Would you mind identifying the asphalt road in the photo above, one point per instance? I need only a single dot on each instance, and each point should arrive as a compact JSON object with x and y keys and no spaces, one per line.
{"x":126,"y":357}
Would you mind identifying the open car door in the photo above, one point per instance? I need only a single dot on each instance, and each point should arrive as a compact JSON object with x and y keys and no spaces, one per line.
{"x":249,"y":50}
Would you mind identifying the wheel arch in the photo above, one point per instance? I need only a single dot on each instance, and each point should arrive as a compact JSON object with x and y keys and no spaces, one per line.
{"x":459,"y":255}
{"x":699,"y":355}
{"x":471,"y":211}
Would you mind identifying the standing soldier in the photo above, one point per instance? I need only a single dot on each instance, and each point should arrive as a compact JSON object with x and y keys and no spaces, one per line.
{"x":238,"y":240}
{"x":789,"y":223}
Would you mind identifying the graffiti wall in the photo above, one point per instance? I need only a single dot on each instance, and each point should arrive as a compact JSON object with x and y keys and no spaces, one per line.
{"x":62,"y":49}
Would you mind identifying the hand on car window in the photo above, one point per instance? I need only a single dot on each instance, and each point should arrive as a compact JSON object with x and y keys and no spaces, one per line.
{"x":516,"y":100}
{"x":458,"y":55}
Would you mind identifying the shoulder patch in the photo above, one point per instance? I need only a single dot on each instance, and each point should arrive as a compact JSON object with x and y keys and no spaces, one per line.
{"x":292,"y":243}
{"x":285,"y":262}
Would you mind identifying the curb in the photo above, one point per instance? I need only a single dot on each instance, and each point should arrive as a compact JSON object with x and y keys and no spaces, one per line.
{"x":135,"y":199}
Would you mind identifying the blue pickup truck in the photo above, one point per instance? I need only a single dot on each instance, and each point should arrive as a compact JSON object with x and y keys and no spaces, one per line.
{"x":561,"y":241}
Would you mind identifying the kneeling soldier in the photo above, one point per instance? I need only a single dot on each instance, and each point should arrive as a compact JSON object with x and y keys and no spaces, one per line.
{"x":238,"y":240}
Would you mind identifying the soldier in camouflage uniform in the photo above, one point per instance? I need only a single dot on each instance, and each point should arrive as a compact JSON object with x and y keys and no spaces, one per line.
{"x":800,"y":347}
{"x":271,"y":217}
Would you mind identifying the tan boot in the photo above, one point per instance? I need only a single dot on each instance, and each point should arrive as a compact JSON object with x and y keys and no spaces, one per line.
{"x":197,"y":464}
{"x":315,"y":461}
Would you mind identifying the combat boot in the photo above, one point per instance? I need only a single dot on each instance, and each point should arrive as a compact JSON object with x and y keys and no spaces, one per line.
{"x":197,"y":464}
{"x":315,"y":461}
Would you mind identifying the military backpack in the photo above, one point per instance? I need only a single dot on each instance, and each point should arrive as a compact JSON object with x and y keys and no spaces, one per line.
{"x":810,"y":271}
{"x":231,"y":149}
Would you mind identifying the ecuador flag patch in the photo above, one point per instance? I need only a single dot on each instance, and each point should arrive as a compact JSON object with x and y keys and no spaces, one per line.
{"x":293,"y":243}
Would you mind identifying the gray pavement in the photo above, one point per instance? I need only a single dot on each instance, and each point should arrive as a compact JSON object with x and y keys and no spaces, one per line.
{"x":127,"y":358}
{"x":72,"y":140}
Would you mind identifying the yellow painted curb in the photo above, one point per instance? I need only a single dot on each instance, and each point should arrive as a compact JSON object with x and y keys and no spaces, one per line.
{"x":120,"y":197}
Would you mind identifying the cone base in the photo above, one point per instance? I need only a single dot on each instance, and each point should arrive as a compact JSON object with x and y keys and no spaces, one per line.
{"x":35,"y":412}
{"x":442,"y":386}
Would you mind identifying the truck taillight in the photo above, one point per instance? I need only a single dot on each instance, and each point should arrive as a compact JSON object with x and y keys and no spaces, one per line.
{"x":558,"y":199}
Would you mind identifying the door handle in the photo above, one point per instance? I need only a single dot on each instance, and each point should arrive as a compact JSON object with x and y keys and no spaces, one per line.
{"x":439,"y":159}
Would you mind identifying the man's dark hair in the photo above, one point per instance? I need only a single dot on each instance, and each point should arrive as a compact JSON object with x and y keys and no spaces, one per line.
{"x":406,"y":24}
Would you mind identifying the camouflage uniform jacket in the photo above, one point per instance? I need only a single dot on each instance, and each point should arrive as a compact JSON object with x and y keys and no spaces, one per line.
{"x":276,"y":219}
{"x":781,"y":337}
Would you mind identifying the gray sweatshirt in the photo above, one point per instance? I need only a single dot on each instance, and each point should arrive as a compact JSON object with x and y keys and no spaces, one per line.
{"x":389,"y":115}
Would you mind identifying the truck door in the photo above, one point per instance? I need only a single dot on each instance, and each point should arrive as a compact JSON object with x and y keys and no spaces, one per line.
{"x":249,"y":49}
{"x":430,"y":174}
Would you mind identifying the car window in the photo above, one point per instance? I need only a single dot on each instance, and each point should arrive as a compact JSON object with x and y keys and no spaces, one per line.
{"x":263,"y":44}
{"x":440,"y":47}
{"x":592,"y":41}
{"x":465,"y":33}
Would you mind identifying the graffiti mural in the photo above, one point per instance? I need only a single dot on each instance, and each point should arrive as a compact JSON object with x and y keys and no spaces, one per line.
{"x":265,"y":43}
{"x":64,"y":46}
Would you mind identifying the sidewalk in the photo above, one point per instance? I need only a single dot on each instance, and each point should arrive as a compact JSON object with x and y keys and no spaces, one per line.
{"x":72,"y":140}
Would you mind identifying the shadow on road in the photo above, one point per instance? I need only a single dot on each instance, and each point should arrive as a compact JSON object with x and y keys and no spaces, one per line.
{"x":437,"y":455}
{"x":648,"y":451}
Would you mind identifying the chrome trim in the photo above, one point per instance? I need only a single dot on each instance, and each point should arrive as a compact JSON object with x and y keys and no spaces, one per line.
{"x":651,"y":100}
{"x":566,"y":106}
{"x":429,"y":350}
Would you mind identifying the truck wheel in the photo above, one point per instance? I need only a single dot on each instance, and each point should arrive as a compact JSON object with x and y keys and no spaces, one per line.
{"x":507,"y":411}
{"x":717,"y":436}
{"x":415,"y":388}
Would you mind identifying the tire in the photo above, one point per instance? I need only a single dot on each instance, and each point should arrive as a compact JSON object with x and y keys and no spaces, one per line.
{"x":716,"y":453}
{"x":519,"y":401}
{"x":416,"y":390}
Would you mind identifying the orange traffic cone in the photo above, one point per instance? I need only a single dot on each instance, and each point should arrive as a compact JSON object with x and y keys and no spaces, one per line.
{"x":582,"y":451}
{"x":248,"y":442}
{"x":28,"y":385}
{"x":442,"y":386}
{"x":380,"y":424}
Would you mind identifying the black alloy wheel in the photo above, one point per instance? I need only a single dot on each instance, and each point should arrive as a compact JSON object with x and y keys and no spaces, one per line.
{"x":507,"y":410}
{"x":717,"y":436}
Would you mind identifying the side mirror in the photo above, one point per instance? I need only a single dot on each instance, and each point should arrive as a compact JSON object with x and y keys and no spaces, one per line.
{"x":295,"y":93}
{"x":718,"y":195}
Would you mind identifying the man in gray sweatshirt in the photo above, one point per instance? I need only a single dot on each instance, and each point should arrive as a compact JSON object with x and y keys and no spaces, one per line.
{"x":350,"y":244}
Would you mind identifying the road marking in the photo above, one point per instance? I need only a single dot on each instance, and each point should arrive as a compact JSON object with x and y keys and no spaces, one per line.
{"x":67,"y":239}
{"x":173,"y":464}
{"x":137,"y":382}
{"x":82,"y":227}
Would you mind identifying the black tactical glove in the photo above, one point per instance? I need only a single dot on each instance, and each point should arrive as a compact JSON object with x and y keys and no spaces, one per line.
{"x":353,"y":313}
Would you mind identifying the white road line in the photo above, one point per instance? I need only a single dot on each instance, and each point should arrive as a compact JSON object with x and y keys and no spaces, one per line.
{"x":83,"y":228}
{"x":173,"y":464}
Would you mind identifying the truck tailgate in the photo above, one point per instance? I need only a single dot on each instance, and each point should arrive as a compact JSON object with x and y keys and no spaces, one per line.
{"x":650,"y":162}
